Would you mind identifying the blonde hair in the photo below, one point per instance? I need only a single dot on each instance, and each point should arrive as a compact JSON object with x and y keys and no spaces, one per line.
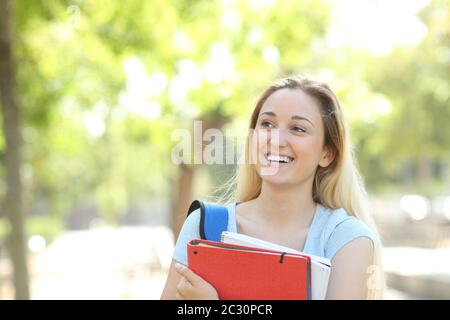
{"x":338,"y":185}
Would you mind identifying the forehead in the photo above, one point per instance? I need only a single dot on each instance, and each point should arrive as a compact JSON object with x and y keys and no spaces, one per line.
{"x":287,"y":102}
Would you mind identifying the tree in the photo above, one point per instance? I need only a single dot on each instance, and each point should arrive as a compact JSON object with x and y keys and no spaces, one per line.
{"x":71,"y":73}
{"x":12,"y":125}
{"x":413,"y":141}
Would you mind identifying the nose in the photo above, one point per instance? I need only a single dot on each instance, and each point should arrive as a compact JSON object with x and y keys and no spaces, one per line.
{"x":278,"y":139}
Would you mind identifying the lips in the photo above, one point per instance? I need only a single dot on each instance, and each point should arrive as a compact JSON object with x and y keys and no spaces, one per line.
{"x":278,"y":159}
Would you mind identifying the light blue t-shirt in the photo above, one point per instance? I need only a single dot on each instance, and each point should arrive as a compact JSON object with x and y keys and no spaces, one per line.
{"x":329,"y":231}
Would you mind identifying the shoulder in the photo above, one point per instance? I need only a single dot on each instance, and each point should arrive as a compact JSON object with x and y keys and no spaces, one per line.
{"x":188,"y":232}
{"x":191,"y":230}
{"x":340,"y":228}
{"x":196,"y":217}
{"x":191,"y":222}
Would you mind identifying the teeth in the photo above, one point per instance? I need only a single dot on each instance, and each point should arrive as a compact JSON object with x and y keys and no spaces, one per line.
{"x":276,"y":158}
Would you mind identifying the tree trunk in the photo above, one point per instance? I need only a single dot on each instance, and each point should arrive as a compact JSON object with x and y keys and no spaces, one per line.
{"x":183,"y":186}
{"x":9,"y":102}
{"x":181,"y":197}
{"x":424,"y":174}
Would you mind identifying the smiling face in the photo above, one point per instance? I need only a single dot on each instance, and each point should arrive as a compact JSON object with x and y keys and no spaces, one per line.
{"x":290,"y":138}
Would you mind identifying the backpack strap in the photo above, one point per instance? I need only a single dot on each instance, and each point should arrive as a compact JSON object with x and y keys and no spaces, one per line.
{"x":213,"y":219}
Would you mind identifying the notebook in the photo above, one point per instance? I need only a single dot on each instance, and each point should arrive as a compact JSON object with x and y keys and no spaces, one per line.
{"x":320,"y":267}
{"x":245,"y":273}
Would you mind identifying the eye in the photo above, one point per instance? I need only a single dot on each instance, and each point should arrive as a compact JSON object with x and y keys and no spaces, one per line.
{"x":266,"y":124}
{"x":298,"y":129}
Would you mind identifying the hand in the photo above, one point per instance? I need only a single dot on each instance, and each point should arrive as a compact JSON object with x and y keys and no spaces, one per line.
{"x":193,"y":287}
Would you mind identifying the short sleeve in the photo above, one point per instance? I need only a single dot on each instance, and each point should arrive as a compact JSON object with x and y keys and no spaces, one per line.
{"x":189,"y":231}
{"x":346,"y":231}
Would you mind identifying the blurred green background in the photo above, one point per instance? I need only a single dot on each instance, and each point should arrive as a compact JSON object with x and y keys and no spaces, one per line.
{"x":92,"y":92}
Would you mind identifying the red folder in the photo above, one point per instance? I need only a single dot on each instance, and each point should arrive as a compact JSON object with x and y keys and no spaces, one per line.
{"x":247,"y":273}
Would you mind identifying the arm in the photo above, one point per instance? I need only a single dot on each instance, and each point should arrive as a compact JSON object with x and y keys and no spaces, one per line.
{"x":348,"y":279}
{"x":170,"y":289}
{"x":183,"y":284}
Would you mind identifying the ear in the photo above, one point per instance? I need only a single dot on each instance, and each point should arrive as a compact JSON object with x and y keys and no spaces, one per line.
{"x":327,"y":157}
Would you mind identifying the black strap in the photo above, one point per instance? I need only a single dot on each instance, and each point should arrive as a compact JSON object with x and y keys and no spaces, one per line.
{"x":197,"y":204}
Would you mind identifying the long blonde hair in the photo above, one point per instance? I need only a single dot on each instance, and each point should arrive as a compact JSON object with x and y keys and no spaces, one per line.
{"x":338,"y":185}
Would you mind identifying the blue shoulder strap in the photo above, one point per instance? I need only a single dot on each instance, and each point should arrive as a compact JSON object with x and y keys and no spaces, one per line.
{"x":213,"y":219}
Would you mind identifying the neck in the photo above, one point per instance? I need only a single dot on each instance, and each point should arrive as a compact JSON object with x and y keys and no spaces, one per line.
{"x":282,"y":206}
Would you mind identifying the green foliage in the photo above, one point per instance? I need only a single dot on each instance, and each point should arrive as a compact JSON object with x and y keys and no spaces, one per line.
{"x":49,"y":227}
{"x":46,"y":226}
{"x":416,"y":81}
{"x":5,"y":228}
{"x":84,"y":140}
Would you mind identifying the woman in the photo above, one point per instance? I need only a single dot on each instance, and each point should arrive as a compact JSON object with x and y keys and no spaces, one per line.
{"x":303,"y":191}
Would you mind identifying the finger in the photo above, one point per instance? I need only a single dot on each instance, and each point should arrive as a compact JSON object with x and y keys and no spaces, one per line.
{"x":187,"y":273}
{"x":183,"y":285}
{"x":185,"y":289}
{"x":179,"y":296}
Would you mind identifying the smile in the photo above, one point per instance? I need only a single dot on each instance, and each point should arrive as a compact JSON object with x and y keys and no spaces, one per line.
{"x":278,"y":158}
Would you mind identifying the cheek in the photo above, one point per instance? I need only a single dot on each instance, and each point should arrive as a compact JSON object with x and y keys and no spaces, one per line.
{"x":262,"y":137}
{"x":256,"y":145}
{"x":307,"y":150}
{"x":260,"y":140}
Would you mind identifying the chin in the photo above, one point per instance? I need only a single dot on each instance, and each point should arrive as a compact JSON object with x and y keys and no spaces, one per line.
{"x":277,"y":180}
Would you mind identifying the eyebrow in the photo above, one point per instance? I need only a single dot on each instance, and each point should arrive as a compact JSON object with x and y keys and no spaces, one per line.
{"x":294,"y":117}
